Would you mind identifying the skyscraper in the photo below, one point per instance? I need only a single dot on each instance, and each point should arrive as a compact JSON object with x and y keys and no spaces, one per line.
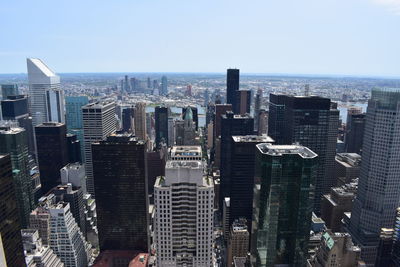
{"x":164,"y":85}
{"x":9,"y":90}
{"x":51,"y":142}
{"x":41,"y":79}
{"x":128,"y":119}
{"x":241,"y":183}
{"x":378,"y":195}
{"x":354,"y":133}
{"x":55,"y":105}
{"x":140,"y":121}
{"x":74,"y":117}
{"x":231,"y":125}
{"x":99,"y":121}
{"x":232,"y":87}
{"x":257,"y":108}
{"x":120,"y":181}
{"x":195,"y":115}
{"x":311,"y":122}
{"x":243,"y":102}
{"x":13,"y":141}
{"x":239,"y":238}
{"x":283,"y":204}
{"x":161,"y":121}
{"x":189,"y":129}
{"x":10,"y":226}
{"x":184,"y":201}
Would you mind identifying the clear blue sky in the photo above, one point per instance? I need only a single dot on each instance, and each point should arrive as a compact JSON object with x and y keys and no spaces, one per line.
{"x":353,"y":37}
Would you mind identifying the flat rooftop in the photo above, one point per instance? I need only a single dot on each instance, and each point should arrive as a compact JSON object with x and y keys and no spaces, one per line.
{"x":253,"y":138}
{"x":177,"y":151}
{"x":98,"y":104}
{"x":171,"y":164}
{"x":279,"y":150}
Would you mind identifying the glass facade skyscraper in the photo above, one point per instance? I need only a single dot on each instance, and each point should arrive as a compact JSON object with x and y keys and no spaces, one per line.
{"x":283,"y":204}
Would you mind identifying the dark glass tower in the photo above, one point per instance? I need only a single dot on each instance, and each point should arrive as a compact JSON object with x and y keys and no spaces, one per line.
{"x":355,"y":133}
{"x":283,"y":204}
{"x":161,"y":121}
{"x":51,"y":142}
{"x":10,"y":227}
{"x":232,"y":86}
{"x":13,"y":142}
{"x":312,"y":122}
{"x":242,"y":175}
{"x":231,"y":125}
{"x":74,"y":149}
{"x":127,"y":119}
{"x":120,"y":182}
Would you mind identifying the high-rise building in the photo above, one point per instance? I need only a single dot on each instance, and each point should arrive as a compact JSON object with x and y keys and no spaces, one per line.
{"x":164,"y":85}
{"x":73,"y":148}
{"x":336,"y":249}
{"x":385,"y":248}
{"x":128,"y":119}
{"x":13,"y":141}
{"x":120,"y":181}
{"x":378,"y":195}
{"x":347,"y":167}
{"x":161,"y":120}
{"x":239,"y":238}
{"x":55,"y":105}
{"x":241,"y":184}
{"x":396,"y":240}
{"x":231,"y":125}
{"x":10,"y":226}
{"x":283,"y":204}
{"x":195,"y":115}
{"x":140,"y":121}
{"x":257,"y":108}
{"x":74,"y":118}
{"x":243,"y":102}
{"x":58,"y":229}
{"x":41,"y":79}
{"x":189,"y":129}
{"x":184,"y":201}
{"x":262,"y":122}
{"x":354,"y":133}
{"x":312,"y":122}
{"x":9,"y":90}
{"x":36,"y":252}
{"x":220,"y":109}
{"x":99,"y":121}
{"x":52,"y":153}
{"x":232,"y":87}
{"x":74,"y":173}
{"x":155,"y":164}
{"x":171,"y":131}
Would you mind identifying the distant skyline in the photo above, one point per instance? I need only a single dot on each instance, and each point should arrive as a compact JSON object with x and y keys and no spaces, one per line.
{"x":330,"y":37}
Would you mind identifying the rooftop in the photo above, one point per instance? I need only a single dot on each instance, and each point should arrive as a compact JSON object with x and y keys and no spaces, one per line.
{"x":252,"y":138}
{"x":51,"y":124}
{"x":279,"y":150}
{"x":99,"y":104}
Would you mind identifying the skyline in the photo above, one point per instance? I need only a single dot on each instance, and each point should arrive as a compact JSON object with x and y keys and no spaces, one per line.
{"x":339,"y":38}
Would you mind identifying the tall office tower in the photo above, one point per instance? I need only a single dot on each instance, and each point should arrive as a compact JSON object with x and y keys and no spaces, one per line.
{"x":161,"y":120}
{"x":73,"y":148}
{"x":16,"y":108}
{"x":9,"y":90}
{"x":312,"y":122}
{"x":262,"y":122}
{"x":385,"y":248}
{"x":74,"y":173}
{"x":98,"y":122}
{"x":231,"y":125}
{"x":126,"y":85}
{"x":239,"y":238}
{"x":132,"y":82}
{"x":140,"y":121}
{"x":226,"y":206}
{"x":355,"y":133}
{"x":73,"y":196}
{"x":52,"y":153}
{"x":155,"y":161}
{"x":36,"y":252}
{"x":58,"y":229}
{"x":336,"y":249}
{"x":41,"y":79}
{"x":210,"y":131}
{"x":194,"y":115}
{"x":347,"y":167}
{"x":119,"y":169}
{"x":232,"y":87}
{"x":220,"y":109}
{"x":55,"y":105}
{"x":13,"y":141}
{"x":184,"y":230}
{"x":283,"y":204}
{"x":74,"y":117}
{"x":378,"y":196}
{"x":148,"y":83}
{"x":189,"y":128}
{"x":206,"y":97}
{"x":179,"y":126}
{"x":171,"y":131}
{"x":336,"y":203}
{"x":9,"y":218}
{"x":155,"y":84}
{"x":241,"y":184}
{"x":257,"y":108}
{"x":164,"y":85}
{"x":128,"y":119}
{"x":243,"y":102}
